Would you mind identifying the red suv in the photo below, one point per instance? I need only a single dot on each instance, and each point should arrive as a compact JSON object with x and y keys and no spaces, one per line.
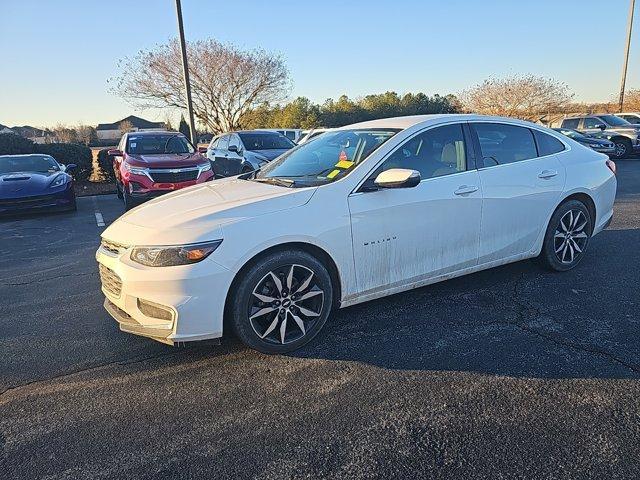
{"x":148,"y":164}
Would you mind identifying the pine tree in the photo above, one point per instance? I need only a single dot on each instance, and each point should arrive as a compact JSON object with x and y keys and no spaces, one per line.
{"x":183,"y":128}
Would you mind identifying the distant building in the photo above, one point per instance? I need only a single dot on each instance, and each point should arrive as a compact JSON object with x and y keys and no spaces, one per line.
{"x":36,"y":135}
{"x":108,"y":132}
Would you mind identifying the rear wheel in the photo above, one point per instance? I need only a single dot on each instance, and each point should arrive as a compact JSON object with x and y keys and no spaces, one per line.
{"x":246,"y":170}
{"x":567,"y":236}
{"x":281,"y":302}
{"x":623,"y":148}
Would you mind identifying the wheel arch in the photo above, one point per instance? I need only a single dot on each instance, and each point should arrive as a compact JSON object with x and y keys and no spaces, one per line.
{"x":312,"y":249}
{"x":584,"y":198}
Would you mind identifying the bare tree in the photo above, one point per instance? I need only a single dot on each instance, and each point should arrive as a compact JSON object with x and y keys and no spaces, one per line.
{"x":65,"y":134}
{"x":86,"y":134}
{"x":125,"y":127}
{"x":522,"y":96}
{"x":226,"y":82}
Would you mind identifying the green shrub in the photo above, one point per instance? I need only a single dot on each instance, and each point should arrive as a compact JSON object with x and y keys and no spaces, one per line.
{"x":67,"y":153}
{"x":12,"y":144}
{"x":106,"y":165}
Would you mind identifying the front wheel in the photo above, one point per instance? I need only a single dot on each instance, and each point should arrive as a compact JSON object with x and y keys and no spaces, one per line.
{"x":567,"y":236}
{"x":281,"y":302}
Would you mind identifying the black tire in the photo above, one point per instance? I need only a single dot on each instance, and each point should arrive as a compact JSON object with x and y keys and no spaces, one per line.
{"x":246,"y":170}
{"x":624,"y":148}
{"x":128,"y":201}
{"x":263,"y":332}
{"x":118,"y":190}
{"x":567,"y":237}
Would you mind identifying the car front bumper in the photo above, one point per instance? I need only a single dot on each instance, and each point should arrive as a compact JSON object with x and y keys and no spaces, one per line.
{"x":187,"y":302}
{"x":60,"y":200}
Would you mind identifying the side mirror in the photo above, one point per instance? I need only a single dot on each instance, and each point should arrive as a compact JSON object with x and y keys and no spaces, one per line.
{"x":602,"y":127}
{"x":233,"y":148}
{"x":71,"y":167}
{"x":202,"y":149}
{"x":114,"y":152}
{"x":398,"y":178}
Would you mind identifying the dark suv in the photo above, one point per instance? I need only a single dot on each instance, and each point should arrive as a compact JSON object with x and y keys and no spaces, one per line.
{"x":625,"y":135}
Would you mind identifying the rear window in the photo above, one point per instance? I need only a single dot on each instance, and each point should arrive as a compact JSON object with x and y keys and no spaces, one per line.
{"x":501,"y":143}
{"x":547,"y":145}
{"x":571,"y":123}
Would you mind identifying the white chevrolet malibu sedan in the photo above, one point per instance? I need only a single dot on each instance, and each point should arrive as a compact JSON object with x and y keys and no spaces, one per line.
{"x":359,"y":213}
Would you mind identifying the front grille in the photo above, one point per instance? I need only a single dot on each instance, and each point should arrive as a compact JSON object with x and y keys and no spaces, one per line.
{"x":111,"y":282}
{"x":26,"y":201}
{"x":113,"y":247}
{"x":173,"y":177}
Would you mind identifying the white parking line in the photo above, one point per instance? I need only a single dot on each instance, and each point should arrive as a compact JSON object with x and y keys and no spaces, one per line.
{"x":99,"y":218}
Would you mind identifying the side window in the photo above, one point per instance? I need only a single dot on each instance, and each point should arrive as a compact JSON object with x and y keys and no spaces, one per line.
{"x":547,"y":145}
{"x":290,"y":134}
{"x":436,"y":152}
{"x":501,"y":143}
{"x":223,"y":143}
{"x":214,"y":143}
{"x":592,"y":122}
{"x":571,"y":123}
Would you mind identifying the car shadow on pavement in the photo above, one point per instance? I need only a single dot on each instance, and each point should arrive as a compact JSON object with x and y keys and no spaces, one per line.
{"x":517,"y":320}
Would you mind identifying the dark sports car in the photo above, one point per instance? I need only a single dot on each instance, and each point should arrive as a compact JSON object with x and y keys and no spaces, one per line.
{"x":599,"y":143}
{"x":35,"y":182}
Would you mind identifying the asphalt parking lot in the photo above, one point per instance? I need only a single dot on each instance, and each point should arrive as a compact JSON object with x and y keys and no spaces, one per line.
{"x":513,"y":372}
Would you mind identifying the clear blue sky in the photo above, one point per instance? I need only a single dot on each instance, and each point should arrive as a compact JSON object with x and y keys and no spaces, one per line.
{"x":57,"y":55}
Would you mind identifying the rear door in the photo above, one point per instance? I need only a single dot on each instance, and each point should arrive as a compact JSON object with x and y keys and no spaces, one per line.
{"x":522,"y":180}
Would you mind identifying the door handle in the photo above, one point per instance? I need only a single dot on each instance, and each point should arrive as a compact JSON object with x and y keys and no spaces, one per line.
{"x":547,"y":174}
{"x":466,"y":189}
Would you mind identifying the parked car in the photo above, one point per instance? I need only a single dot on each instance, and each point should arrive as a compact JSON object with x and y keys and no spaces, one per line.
{"x":626,"y":136}
{"x":242,"y":152}
{"x":292,"y":134}
{"x":631,"y":117}
{"x":598,"y":144}
{"x":362,"y":212}
{"x":35,"y":183}
{"x":149,"y":164}
{"x":313,"y":133}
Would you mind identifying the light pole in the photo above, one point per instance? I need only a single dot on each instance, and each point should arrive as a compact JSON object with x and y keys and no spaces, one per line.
{"x":626,"y":56}
{"x":185,"y":71}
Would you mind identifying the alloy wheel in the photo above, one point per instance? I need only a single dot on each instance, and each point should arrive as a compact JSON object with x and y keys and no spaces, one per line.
{"x":285,"y":304}
{"x":570,"y":238}
{"x":621,"y":149}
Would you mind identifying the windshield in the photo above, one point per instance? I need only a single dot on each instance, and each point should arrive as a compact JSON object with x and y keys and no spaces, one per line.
{"x":265,"y":141}
{"x":28,"y":164}
{"x":571,"y":133}
{"x":615,"y":121}
{"x":328,"y":158}
{"x":158,"y":144}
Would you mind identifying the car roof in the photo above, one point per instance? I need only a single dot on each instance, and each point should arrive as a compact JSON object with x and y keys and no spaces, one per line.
{"x":153,"y":132}
{"x":403,"y":123}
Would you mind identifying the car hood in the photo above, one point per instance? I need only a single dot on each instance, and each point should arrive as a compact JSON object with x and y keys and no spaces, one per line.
{"x":21,"y":184}
{"x":199,"y":213}
{"x":168,"y":160}
{"x":269,"y":154}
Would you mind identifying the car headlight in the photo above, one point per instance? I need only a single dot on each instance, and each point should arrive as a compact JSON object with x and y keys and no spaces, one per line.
{"x":204,"y":167}
{"x":173,"y":255}
{"x":59,"y":181}
{"x":135,"y":170}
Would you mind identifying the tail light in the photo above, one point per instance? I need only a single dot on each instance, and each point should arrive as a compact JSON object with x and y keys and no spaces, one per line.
{"x":612,"y":166}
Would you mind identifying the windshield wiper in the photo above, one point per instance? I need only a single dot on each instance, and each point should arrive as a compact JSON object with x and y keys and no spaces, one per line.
{"x":283,"y":182}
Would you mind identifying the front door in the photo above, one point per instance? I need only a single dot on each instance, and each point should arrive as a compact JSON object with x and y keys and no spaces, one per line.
{"x":404,"y":236}
{"x":220,"y":165}
{"x":234,"y":158}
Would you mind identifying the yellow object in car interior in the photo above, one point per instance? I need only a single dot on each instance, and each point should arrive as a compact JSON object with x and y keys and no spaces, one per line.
{"x":333,"y":174}
{"x":344,"y":164}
